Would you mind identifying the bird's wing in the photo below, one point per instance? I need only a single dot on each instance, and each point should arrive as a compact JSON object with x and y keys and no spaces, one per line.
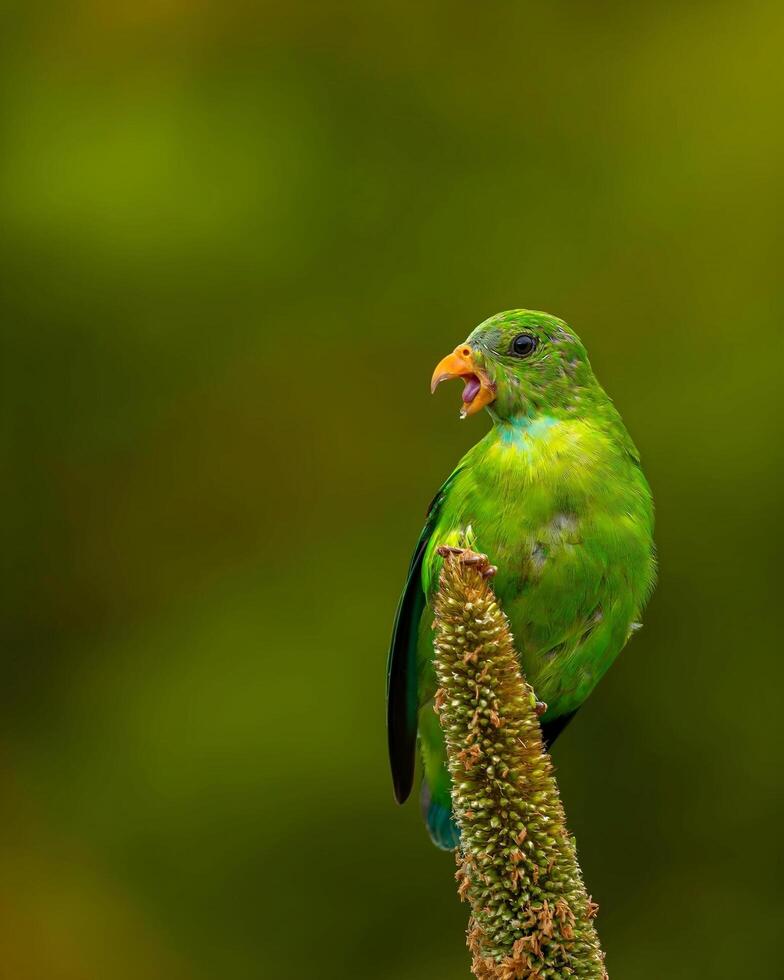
{"x":401,"y":664}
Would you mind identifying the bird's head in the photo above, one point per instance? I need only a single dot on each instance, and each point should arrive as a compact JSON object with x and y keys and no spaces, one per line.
{"x":519,"y":363}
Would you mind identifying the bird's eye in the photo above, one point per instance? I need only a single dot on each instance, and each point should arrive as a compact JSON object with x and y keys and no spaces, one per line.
{"x":523,"y":345}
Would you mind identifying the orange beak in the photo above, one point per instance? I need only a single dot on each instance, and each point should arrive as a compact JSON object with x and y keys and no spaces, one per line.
{"x":479,"y":390}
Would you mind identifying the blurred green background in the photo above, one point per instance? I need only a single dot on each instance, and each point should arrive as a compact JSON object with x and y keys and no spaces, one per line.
{"x":235,"y":239}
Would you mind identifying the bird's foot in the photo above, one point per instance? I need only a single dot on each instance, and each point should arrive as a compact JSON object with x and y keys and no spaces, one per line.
{"x":468,"y":557}
{"x":540,"y":707}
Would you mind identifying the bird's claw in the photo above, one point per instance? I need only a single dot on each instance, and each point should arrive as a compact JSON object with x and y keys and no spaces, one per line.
{"x":540,"y":707}
{"x":468,"y":557}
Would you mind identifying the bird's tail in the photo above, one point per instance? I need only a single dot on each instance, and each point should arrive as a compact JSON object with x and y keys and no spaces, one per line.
{"x":438,"y":816}
{"x":552,"y":729}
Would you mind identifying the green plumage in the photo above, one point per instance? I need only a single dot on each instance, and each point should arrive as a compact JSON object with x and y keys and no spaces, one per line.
{"x":555,"y":496}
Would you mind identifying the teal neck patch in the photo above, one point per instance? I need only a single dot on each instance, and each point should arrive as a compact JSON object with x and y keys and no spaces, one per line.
{"x":519,"y":430}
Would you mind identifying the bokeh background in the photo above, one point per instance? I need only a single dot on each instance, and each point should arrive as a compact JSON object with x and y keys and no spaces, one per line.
{"x":234,"y":240}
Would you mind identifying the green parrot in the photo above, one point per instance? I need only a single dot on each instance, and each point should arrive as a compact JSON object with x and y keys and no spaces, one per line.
{"x":554,"y":494}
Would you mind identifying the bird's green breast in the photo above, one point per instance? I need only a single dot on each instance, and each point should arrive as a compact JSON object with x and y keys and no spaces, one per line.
{"x":561,"y":506}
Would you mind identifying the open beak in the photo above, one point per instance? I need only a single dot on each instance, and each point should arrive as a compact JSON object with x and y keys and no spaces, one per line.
{"x":478,"y":391}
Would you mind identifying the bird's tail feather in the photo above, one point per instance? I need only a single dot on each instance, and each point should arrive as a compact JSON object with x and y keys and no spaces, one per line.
{"x":440,"y":822}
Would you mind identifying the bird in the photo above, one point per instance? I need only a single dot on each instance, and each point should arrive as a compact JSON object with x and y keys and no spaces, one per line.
{"x":555,"y":495}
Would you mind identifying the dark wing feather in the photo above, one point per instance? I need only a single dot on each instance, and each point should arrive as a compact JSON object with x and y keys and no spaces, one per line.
{"x":402,"y":666}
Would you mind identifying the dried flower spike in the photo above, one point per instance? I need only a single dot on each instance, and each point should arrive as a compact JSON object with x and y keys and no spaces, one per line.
{"x":517,"y":865}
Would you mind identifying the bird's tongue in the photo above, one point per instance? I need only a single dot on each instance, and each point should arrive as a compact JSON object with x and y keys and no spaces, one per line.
{"x":471,"y":389}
